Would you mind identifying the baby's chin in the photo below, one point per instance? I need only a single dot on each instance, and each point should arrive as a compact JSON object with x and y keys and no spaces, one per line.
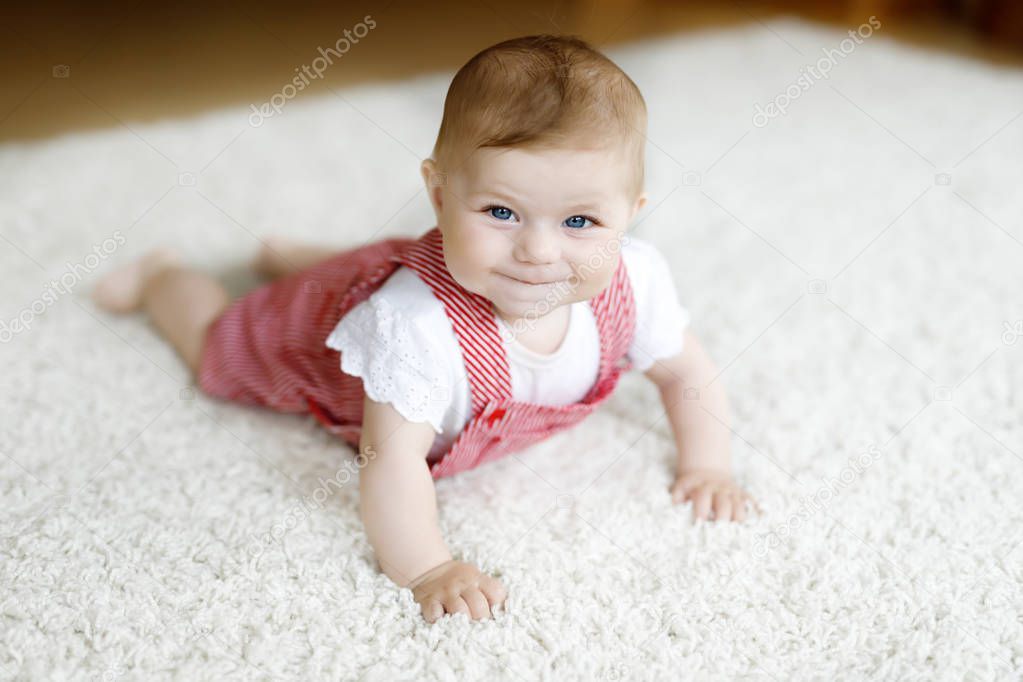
{"x":512,"y":308}
{"x":514,"y":304}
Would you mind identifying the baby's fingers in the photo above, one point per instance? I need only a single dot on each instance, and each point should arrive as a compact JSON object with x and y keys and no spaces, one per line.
{"x":493,"y":590}
{"x":478,"y":606}
{"x":681,"y":488}
{"x":739,"y":507}
{"x":748,"y":499}
{"x":678,"y":493}
{"x":701,"y":503}
{"x":722,"y":506}
{"x":455,"y":604}
{"x":432,"y":609}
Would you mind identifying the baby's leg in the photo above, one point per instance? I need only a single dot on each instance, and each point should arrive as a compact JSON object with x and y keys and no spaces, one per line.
{"x":181,"y":302}
{"x":278,"y":256}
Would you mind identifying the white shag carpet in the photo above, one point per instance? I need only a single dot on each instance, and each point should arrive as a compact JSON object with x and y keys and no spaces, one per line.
{"x":853,"y":266}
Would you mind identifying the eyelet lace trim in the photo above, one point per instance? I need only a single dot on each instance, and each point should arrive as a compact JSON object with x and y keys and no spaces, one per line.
{"x":396,"y":365}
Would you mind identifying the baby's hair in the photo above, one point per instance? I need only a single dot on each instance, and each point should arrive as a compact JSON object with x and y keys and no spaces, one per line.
{"x":542,"y":91}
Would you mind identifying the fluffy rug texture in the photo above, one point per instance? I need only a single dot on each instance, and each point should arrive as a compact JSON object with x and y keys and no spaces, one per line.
{"x":851,"y":264}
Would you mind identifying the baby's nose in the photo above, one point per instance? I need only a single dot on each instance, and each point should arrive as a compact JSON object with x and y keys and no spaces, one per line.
{"x":536,"y":244}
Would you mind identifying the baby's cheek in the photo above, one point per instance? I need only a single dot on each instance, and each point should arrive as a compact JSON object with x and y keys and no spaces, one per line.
{"x":477,"y":244}
{"x":595,"y":271}
{"x":468,"y":261}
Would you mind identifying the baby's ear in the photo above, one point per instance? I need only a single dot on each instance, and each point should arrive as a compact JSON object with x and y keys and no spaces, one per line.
{"x":434,"y":185}
{"x":640,"y":203}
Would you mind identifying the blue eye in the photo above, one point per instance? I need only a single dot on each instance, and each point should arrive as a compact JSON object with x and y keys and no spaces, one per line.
{"x":500,"y":212}
{"x":577,"y":221}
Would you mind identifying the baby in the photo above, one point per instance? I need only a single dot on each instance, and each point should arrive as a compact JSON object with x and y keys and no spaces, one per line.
{"x":509,"y":321}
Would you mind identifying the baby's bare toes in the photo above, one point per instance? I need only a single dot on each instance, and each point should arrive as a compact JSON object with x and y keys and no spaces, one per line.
{"x":120,"y":291}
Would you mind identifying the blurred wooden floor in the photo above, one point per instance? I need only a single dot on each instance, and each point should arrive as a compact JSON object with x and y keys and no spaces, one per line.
{"x":65,"y":66}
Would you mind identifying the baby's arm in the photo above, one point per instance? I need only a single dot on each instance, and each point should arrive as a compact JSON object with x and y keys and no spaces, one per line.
{"x":398,"y":505}
{"x":697,"y":408}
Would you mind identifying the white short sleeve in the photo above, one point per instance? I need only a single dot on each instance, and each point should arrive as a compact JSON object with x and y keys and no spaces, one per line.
{"x":661,"y":320}
{"x":398,"y":359}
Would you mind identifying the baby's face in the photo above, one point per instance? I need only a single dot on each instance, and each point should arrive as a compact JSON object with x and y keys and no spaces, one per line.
{"x":534,"y":229}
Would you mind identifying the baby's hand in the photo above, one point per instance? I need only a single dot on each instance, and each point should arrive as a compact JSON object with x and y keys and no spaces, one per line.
{"x":708,"y":489}
{"x":457,"y":587}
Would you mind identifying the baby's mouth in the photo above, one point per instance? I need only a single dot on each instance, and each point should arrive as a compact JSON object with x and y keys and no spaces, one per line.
{"x":527,"y":283}
{"x":531,"y":281}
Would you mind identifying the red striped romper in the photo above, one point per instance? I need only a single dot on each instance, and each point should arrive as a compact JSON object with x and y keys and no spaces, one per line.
{"x":268,"y":348}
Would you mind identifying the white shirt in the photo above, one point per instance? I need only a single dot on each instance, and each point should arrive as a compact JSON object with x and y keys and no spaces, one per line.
{"x":400,"y":342}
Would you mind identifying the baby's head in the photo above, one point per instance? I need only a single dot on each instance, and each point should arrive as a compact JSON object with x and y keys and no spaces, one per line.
{"x":537,"y":172}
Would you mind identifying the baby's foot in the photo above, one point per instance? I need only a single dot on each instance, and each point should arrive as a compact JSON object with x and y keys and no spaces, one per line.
{"x":120,"y":291}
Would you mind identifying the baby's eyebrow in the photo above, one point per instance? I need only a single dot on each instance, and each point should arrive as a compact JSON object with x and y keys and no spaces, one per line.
{"x":493,"y":193}
{"x":586,"y":206}
{"x":578,"y":205}
{"x":586,"y":200}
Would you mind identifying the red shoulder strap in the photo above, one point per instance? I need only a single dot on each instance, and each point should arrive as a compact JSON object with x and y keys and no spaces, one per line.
{"x":472,"y":318}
